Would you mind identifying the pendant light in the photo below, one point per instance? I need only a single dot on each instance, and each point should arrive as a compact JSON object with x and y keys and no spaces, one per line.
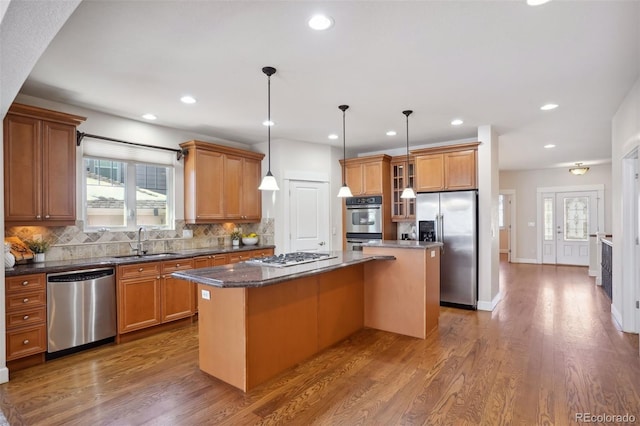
{"x":579,"y":169}
{"x":408,"y":190}
{"x":344,"y":189}
{"x":269,"y":182}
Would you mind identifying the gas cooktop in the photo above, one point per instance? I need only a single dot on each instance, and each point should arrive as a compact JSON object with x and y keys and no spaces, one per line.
{"x":291,"y":259}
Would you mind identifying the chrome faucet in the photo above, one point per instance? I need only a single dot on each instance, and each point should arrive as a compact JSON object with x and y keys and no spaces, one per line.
{"x":140,"y":246}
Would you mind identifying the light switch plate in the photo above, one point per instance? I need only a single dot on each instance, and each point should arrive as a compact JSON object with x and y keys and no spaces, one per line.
{"x":206,"y":295}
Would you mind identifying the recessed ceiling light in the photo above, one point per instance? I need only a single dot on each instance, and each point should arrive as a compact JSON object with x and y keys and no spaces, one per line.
{"x":548,"y":107}
{"x":188,"y":99}
{"x":320,"y":22}
{"x":456,"y":122}
{"x":333,"y":136}
{"x":149,"y":116}
{"x":549,"y":145}
{"x":391,"y":133}
{"x":268,"y":123}
{"x":537,"y":2}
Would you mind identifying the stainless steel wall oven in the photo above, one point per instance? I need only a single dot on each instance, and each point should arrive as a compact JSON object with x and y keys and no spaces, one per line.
{"x":364,"y":217}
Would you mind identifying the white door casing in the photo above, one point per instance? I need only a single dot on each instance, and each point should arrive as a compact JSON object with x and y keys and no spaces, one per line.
{"x":548,"y":227}
{"x":309,"y":210}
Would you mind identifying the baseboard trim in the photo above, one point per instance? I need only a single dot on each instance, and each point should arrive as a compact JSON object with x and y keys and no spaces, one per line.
{"x":4,"y":374}
{"x":615,"y":314}
{"x":593,"y":272}
{"x":522,"y":260}
{"x":490,"y":306}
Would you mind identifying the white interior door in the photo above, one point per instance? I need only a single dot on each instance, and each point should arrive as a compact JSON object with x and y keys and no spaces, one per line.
{"x":576,"y":218}
{"x":309,"y":216}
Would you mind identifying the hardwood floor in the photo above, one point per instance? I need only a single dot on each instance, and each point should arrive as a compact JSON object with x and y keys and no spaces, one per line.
{"x":548,"y":351}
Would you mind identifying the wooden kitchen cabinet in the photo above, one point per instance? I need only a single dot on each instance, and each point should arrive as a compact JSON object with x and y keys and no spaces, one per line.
{"x":221,"y":183}
{"x":176,"y":296}
{"x":402,"y":210}
{"x":367,"y":175}
{"x":447,"y":168}
{"x":241,"y":256}
{"x":26,"y":317}
{"x":39,"y":166}
{"x":138,"y":296}
{"x":148,"y":295}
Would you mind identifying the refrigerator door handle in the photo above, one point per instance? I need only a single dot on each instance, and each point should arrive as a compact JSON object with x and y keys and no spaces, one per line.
{"x":440,"y":232}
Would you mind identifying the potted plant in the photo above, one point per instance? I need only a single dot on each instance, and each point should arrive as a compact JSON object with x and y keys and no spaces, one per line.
{"x":39,"y":248}
{"x":235,"y":237}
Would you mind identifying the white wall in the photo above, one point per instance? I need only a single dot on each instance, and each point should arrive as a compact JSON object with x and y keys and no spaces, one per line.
{"x":526,"y":182}
{"x":315,"y":161}
{"x":625,"y":139}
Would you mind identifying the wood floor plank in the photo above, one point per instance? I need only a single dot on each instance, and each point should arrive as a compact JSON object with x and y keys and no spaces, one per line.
{"x":549,"y":350}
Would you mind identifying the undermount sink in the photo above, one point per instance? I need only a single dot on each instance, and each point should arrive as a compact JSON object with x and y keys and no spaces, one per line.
{"x":144,"y":256}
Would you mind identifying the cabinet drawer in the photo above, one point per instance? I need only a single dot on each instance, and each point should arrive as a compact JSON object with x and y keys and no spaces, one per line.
{"x":139,"y":270}
{"x":176,"y":265}
{"x":27,"y":299}
{"x":26,"y":341}
{"x":26,"y":317}
{"x":25,"y":282}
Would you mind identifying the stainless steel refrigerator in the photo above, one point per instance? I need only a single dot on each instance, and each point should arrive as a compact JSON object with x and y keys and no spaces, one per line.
{"x":452,"y":218}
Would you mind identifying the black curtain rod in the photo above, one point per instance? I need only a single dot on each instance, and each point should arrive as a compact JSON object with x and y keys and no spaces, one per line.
{"x":81,"y":135}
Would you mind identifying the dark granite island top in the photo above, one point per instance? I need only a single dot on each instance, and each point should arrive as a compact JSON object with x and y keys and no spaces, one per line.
{"x":248,"y":275}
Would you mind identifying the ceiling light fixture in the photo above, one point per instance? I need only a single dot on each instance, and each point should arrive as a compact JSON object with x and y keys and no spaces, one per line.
{"x":268,"y":123}
{"x":149,"y":116}
{"x":333,"y":136}
{"x":269,"y":182}
{"x":345,"y":191}
{"x":537,"y":2}
{"x":579,"y":169}
{"x":320,"y":22}
{"x":391,"y":133}
{"x":188,"y":99}
{"x":549,"y":145}
{"x":548,"y":107}
{"x":408,"y":191}
{"x":456,"y":122}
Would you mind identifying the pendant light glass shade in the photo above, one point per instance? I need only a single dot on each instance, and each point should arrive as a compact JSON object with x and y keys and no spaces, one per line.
{"x":408,"y":190}
{"x":578,"y":170}
{"x":345,"y":191}
{"x":269,"y":182}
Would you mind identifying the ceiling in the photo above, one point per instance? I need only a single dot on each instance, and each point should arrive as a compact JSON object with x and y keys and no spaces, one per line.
{"x":486,"y":62}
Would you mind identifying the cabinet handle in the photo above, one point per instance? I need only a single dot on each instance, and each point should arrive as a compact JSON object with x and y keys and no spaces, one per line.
{"x":38,"y":217}
{"x":209,"y":257}
{"x":26,"y":317}
{"x":25,"y":282}
{"x":25,"y":300}
{"x":158,"y":277}
{"x":140,"y":269}
{"x":47,"y":216}
{"x":25,"y":342}
{"x":177,"y":265}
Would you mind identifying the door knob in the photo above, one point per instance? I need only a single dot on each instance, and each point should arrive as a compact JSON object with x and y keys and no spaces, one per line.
{"x":321,"y":243}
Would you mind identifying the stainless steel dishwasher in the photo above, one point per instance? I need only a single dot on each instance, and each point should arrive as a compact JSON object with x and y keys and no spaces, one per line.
{"x":81,"y":308}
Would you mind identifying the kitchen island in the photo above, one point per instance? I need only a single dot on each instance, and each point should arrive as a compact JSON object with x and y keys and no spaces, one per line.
{"x":256,"y":321}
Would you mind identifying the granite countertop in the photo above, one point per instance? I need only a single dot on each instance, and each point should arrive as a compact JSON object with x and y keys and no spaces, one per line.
{"x":245,"y":275}
{"x":408,"y":244}
{"x":101,"y":262}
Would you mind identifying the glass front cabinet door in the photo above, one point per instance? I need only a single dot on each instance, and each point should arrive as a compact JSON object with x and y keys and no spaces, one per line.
{"x":402,"y":210}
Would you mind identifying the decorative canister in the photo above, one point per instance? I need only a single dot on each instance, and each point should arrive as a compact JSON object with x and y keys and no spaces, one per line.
{"x":9,"y":259}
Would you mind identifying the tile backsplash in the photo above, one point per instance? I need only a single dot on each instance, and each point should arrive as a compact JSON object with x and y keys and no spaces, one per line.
{"x":72,"y":242}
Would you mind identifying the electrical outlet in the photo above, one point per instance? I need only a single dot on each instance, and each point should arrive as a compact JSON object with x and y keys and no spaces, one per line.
{"x":187,"y":233}
{"x":206,"y":295}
